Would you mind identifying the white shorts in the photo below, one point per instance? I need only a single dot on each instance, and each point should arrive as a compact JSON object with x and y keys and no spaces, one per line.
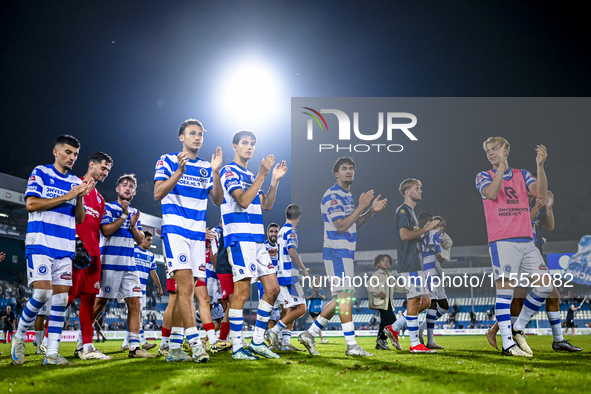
{"x":217,"y":312}
{"x":45,"y":309}
{"x":516,"y":258}
{"x":184,"y":253}
{"x":435,"y":285}
{"x":342,"y":267}
{"x":249,"y":260}
{"x":214,"y":289}
{"x":120,"y":285}
{"x":414,"y":284}
{"x":57,"y":271}
{"x":292,"y":295}
{"x":143,"y":306}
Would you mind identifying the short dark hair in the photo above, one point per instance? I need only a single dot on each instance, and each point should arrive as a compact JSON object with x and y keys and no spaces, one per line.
{"x":293,"y":211}
{"x":379,"y":258}
{"x":243,"y":133}
{"x":98,"y":157}
{"x":441,"y":219}
{"x":188,"y":123}
{"x":272,"y":225}
{"x":340,"y":161}
{"x":127,"y":177}
{"x":147,"y":233}
{"x":66,"y":139}
{"x":425,"y":215}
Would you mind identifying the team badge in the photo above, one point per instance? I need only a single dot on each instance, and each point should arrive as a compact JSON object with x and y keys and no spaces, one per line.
{"x":203,"y":172}
{"x":252,"y":267}
{"x":108,"y":289}
{"x":507,"y":268}
{"x":42,"y":270}
{"x":182,"y":259}
{"x":402,"y":211}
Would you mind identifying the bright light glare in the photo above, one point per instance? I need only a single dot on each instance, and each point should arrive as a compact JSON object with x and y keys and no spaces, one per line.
{"x":251,"y":92}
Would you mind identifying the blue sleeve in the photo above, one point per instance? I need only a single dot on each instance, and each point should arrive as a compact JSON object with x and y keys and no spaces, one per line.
{"x":108,"y":216}
{"x":35,"y":183}
{"x":163,"y":169}
{"x":529,"y":179}
{"x":230,"y":180}
{"x":483,"y":179}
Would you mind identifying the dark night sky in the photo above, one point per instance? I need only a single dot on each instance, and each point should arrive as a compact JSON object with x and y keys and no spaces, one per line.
{"x":122,"y":76}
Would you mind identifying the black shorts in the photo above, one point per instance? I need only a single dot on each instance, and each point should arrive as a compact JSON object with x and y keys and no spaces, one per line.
{"x":314,"y":315}
{"x":570,"y":324}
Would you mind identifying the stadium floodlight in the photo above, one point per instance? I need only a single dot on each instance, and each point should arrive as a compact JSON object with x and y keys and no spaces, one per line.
{"x":251,"y":93}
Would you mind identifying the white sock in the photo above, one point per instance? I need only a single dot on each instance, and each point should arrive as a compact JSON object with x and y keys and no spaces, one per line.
{"x":554,"y":319}
{"x":349,"y":332}
{"x":55,"y":325}
{"x":236,"y":322}
{"x":318,"y":325}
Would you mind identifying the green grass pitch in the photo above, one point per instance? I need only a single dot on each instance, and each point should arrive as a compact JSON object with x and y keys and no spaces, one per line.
{"x":468,"y":365}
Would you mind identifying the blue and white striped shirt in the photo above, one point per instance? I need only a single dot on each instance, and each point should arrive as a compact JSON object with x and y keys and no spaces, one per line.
{"x":51,"y":232}
{"x":117,"y":250}
{"x":240,"y":224}
{"x":337,"y":203}
{"x":184,"y":208}
{"x":275,"y":258}
{"x":287,"y":272}
{"x":430,"y":245}
{"x":144,"y":264}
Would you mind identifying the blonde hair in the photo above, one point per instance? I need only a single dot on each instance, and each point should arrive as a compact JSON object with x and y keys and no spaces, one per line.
{"x":500,"y":141}
{"x":407,"y":184}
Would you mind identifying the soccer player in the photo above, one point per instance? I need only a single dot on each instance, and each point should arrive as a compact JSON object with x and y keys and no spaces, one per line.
{"x":273,"y":250}
{"x":291,"y":294}
{"x":244,"y":235}
{"x":432,"y":258}
{"x":410,"y":265}
{"x":513,"y":252}
{"x":183,"y":182}
{"x":86,"y":282}
{"x":121,"y":226}
{"x":341,"y":222}
{"x":145,"y":265}
{"x":54,"y":200}
{"x":541,"y":215}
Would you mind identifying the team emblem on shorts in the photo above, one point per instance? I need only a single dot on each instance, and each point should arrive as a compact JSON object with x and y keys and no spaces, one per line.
{"x":108,"y":289}
{"x":507,"y":268}
{"x":203,"y":172}
{"x":295,"y":300}
{"x":252,"y":267}
{"x":183,"y":259}
{"x":42,"y":270}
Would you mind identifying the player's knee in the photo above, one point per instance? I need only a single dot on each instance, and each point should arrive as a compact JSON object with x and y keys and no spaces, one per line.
{"x":42,"y":295}
{"x":274,"y":291}
{"x":544,"y":291}
{"x":443,"y":304}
